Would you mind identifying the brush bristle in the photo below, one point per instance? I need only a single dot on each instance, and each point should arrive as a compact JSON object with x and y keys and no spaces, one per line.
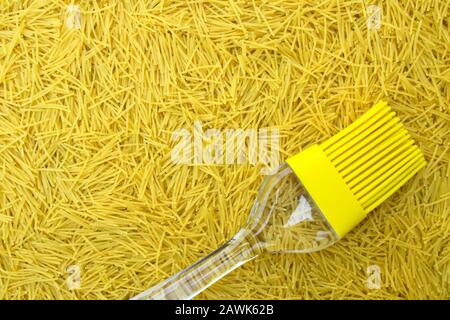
{"x":375,"y":155}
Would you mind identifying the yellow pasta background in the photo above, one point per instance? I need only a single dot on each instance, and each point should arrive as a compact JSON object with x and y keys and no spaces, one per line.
{"x":89,"y":100}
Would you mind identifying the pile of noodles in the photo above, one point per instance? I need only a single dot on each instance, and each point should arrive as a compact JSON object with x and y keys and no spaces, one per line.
{"x":91,"y":93}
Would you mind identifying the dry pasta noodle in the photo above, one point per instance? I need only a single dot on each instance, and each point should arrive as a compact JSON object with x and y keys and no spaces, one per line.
{"x":91,"y":92}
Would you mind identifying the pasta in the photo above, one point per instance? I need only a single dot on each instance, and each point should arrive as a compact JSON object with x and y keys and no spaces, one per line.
{"x":91,"y":92}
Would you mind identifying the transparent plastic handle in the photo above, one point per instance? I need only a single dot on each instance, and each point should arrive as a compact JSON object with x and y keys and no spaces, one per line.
{"x":284,"y":218}
{"x":187,"y":283}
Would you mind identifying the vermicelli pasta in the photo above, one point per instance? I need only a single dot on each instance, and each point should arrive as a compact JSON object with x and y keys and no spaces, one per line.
{"x":90,"y":98}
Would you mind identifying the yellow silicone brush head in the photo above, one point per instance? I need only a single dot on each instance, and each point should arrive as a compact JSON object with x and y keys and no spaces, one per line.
{"x":375,"y":155}
{"x":354,"y":171}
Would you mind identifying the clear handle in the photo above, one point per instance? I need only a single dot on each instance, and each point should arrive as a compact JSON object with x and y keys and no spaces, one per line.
{"x":284,"y":218}
{"x":187,"y":283}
